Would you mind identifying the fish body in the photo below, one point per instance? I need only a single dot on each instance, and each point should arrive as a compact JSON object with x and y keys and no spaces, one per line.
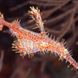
{"x":29,"y":42}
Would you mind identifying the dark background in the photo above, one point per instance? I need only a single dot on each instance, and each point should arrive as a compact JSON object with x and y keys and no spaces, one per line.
{"x":60,"y":19}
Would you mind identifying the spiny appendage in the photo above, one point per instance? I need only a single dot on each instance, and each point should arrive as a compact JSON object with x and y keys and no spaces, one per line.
{"x":18,"y":47}
{"x":15,"y":28}
{"x":35,"y":14}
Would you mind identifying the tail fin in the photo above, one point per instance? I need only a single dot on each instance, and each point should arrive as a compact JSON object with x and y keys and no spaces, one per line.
{"x":71,"y":61}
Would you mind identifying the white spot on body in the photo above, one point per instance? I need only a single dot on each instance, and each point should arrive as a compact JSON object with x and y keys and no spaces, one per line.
{"x":44,"y":43}
{"x":30,"y":44}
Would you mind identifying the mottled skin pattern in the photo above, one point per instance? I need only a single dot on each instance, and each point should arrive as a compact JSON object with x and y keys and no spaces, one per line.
{"x":29,"y":42}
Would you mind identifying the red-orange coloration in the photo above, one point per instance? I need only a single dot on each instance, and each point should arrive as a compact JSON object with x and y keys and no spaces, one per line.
{"x":29,"y":42}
